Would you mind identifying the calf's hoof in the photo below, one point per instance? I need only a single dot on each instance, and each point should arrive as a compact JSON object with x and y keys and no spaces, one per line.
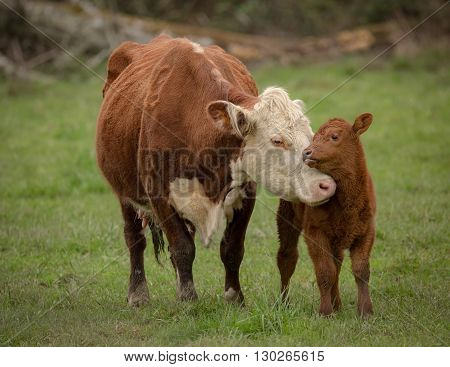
{"x":233,"y":296}
{"x":187,"y":292}
{"x":337,"y":304}
{"x":138,"y":296}
{"x":325,"y":310}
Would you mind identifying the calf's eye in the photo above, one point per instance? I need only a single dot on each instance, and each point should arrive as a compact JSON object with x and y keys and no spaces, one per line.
{"x":334,"y":137}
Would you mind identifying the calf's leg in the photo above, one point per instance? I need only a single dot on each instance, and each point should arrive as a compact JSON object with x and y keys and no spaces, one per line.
{"x":359,"y":254}
{"x":335,"y":296}
{"x":138,"y":290}
{"x":181,"y":247}
{"x":232,"y":246}
{"x":325,"y":269}
{"x":289,"y":228}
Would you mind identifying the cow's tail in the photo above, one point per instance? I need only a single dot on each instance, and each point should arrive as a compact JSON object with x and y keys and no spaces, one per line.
{"x":157,"y":239}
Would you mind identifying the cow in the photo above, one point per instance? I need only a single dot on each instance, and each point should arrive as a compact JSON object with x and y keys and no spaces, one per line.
{"x":346,"y":221}
{"x":183,"y":138}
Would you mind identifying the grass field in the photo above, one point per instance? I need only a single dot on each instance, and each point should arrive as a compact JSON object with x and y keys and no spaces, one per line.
{"x":64,"y":265}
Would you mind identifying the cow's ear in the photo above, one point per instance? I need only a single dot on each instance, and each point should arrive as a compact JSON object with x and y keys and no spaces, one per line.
{"x":300,"y":104}
{"x":229,"y":117}
{"x":362,"y":123}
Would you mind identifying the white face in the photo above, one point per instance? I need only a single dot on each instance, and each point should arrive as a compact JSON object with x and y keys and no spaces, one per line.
{"x":276,"y":132}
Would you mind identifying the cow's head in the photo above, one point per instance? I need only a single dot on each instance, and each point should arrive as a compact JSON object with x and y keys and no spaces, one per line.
{"x":275,"y":131}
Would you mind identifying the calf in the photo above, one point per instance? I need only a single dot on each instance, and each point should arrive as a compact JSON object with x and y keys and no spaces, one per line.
{"x":346,"y":221}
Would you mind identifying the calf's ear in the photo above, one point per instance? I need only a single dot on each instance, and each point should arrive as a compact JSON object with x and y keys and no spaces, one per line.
{"x":362,"y":123}
{"x":229,"y":118}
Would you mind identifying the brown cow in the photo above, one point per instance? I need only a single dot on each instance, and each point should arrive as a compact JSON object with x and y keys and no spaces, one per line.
{"x":182,"y":137}
{"x":347,"y":221}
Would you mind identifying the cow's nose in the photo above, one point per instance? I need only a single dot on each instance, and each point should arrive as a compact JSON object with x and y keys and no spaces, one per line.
{"x":307,"y":153}
{"x":327,"y":187}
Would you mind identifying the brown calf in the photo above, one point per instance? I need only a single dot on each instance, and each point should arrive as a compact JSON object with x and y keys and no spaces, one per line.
{"x":346,"y":221}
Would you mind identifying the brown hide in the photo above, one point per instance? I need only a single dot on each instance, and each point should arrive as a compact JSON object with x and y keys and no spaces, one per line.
{"x":155,"y":100}
{"x":153,"y":127}
{"x":346,"y":221}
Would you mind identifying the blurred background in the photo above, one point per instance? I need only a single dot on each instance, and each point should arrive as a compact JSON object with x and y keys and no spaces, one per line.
{"x":256,"y":31}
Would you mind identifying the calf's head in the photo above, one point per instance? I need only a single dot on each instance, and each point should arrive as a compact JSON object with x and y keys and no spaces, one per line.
{"x":336,"y":145}
{"x":275,"y":132}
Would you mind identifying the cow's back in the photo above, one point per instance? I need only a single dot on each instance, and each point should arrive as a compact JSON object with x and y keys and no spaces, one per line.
{"x":155,"y":97}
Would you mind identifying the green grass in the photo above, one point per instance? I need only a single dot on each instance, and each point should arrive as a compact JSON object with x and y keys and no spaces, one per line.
{"x":64,"y":265}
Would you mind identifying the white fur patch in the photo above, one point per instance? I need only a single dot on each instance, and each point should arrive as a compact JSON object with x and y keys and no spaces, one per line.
{"x":197,"y":48}
{"x":189,"y":199}
{"x":230,"y":294}
{"x":216,"y":74}
{"x":277,"y":169}
{"x":233,"y":200}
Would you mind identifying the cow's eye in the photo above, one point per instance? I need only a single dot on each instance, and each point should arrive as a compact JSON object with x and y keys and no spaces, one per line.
{"x":334,"y":137}
{"x":277,"y":141}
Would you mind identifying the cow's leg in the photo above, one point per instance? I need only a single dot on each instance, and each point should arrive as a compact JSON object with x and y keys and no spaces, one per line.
{"x":360,"y":253}
{"x":138,"y":290}
{"x":325,"y":268}
{"x":191,"y":228}
{"x":181,"y":247}
{"x":289,"y":228}
{"x":335,"y":296}
{"x":232,"y":246}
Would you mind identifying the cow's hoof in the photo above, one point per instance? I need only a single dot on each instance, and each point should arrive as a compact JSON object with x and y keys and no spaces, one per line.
{"x":286,"y":301}
{"x":233,"y":296}
{"x":187,"y":292}
{"x":139,"y":296}
{"x":365,"y":312}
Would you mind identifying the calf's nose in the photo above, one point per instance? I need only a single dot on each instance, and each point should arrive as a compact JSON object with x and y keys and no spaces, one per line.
{"x":307,"y":153}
